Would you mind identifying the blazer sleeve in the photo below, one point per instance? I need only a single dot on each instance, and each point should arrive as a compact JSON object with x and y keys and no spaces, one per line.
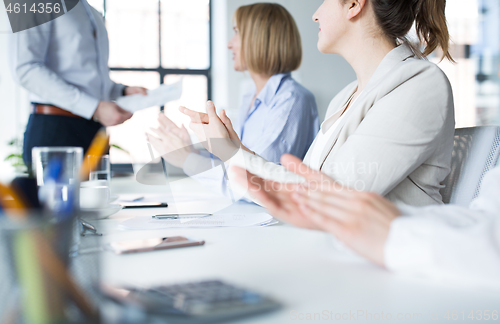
{"x":400,"y":132}
{"x":448,"y":244}
{"x":261,"y":167}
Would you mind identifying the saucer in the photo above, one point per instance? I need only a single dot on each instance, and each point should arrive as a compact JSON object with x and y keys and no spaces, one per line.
{"x":113,"y":198}
{"x":101,"y":213}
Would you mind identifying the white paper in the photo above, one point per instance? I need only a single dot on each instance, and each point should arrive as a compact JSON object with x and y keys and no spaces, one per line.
{"x":218,"y":220}
{"x":158,"y":97}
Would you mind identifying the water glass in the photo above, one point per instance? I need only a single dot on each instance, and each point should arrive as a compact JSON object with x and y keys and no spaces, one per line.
{"x":57,"y":171}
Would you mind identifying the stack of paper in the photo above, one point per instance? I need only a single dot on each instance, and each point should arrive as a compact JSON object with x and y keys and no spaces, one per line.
{"x":217,"y":220}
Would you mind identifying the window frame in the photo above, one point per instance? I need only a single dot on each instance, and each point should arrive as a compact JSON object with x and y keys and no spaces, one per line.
{"x":163,"y":72}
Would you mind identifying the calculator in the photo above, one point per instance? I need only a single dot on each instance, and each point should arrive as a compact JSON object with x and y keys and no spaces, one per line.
{"x":197,"y":302}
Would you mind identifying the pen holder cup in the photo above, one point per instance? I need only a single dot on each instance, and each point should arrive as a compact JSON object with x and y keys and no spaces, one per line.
{"x":39,"y":282}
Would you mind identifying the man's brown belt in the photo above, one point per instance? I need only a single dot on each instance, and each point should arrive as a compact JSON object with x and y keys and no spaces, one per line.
{"x":52,"y":110}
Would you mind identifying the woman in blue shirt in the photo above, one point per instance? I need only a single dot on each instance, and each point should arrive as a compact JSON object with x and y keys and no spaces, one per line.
{"x":277,"y":116}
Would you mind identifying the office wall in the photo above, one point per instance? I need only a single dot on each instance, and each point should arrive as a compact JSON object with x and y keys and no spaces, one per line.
{"x":324,"y":75}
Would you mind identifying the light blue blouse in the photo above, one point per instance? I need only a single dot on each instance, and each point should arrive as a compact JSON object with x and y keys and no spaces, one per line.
{"x":283,"y":119}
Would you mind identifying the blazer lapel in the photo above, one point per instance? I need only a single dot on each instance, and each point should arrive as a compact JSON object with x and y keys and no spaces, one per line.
{"x":397,"y":55}
{"x":333,"y":138}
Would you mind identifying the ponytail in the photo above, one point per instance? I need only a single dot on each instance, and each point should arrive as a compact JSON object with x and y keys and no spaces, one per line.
{"x":430,"y":23}
{"x":396,"y":17}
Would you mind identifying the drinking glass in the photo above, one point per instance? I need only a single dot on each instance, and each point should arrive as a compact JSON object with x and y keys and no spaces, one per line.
{"x":58,"y":178}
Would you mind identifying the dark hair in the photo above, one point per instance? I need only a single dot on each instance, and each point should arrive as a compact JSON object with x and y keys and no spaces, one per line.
{"x":396,"y":18}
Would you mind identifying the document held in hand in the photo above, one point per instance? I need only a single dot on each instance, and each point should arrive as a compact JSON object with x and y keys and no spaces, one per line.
{"x":157,"y":97}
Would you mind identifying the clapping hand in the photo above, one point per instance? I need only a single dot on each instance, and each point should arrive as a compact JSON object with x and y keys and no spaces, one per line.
{"x":173,"y":142}
{"x":215,"y":133}
{"x":361,"y":220}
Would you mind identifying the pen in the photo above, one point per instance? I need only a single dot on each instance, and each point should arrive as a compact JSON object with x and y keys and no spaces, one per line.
{"x":180,"y":216}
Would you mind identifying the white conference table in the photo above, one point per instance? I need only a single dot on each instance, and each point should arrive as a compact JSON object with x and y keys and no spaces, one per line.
{"x":308,"y":271}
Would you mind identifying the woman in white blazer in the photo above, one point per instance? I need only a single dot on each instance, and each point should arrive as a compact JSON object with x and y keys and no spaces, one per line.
{"x":389,"y":132}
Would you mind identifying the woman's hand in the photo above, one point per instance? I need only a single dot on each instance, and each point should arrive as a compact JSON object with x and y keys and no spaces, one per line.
{"x":359,"y":219}
{"x":278,"y":197}
{"x":275,"y":196}
{"x":362,"y":220}
{"x":215,"y":133}
{"x":173,"y":142}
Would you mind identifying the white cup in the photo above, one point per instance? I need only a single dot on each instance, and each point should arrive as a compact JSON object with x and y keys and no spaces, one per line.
{"x":93,"y":195}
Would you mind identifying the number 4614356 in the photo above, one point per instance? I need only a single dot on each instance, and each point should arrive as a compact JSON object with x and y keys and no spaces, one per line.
{"x":35,"y":8}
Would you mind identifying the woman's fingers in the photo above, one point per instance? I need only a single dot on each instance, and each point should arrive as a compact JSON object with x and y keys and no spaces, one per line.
{"x":325,"y":192}
{"x":166,"y":122}
{"x":320,"y":220}
{"x":229,"y":126}
{"x":196,"y":117}
{"x":161,"y":133}
{"x":169,"y":126}
{"x":199,"y":131}
{"x":255,"y":184}
{"x":170,"y":140}
{"x":158,"y":132}
{"x":226,"y":121}
{"x":211,"y":112}
{"x":185,"y":134}
{"x":323,"y":202}
{"x":156,"y":142}
{"x":214,"y":119}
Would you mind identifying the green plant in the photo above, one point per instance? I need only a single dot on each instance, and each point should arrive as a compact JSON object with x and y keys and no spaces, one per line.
{"x":16,"y":157}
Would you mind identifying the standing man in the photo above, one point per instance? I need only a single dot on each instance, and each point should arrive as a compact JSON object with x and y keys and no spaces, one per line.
{"x":64,"y":65}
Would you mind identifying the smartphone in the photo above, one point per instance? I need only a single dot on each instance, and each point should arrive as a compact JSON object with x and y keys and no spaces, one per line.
{"x":153,"y":244}
{"x":140,"y":204}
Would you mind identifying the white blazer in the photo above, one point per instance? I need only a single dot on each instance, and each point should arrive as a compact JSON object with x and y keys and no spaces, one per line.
{"x":396,"y":139}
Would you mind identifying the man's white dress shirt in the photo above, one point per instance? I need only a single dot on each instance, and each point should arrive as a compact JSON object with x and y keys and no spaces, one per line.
{"x":64,"y":62}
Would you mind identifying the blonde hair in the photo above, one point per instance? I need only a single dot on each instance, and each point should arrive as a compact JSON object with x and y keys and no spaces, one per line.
{"x":270,"y":39}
